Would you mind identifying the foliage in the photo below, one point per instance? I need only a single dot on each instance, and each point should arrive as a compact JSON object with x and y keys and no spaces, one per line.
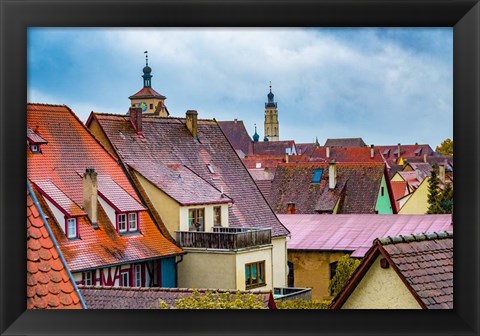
{"x":302,"y":304}
{"x":345,"y":268}
{"x":446,"y":147}
{"x":439,"y":202}
{"x":217,"y":300}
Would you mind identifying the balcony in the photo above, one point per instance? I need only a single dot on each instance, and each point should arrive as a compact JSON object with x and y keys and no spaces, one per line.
{"x":224,"y":238}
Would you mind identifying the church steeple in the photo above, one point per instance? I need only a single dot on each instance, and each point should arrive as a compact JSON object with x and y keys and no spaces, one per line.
{"x":271,"y":118}
{"x":147,"y":77}
{"x":256,"y":136}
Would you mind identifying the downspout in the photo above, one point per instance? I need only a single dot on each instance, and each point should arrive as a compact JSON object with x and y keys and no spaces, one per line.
{"x":54,"y":241}
{"x":176,"y":269}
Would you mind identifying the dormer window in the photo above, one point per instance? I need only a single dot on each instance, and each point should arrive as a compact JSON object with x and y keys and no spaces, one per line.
{"x":127,"y":222}
{"x":35,"y":148}
{"x":72,"y":231}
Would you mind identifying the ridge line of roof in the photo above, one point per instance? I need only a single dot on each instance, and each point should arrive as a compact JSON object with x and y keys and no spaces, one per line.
{"x":426,"y":236}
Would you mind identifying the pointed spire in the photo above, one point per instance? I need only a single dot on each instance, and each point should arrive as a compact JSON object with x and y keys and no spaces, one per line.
{"x":256,"y":137}
{"x":270,"y":96}
{"x":147,"y":77}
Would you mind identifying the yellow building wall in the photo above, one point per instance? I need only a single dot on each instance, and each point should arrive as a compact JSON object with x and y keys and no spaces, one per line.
{"x":280,"y":271}
{"x":166,"y":207}
{"x":397,"y":178}
{"x":312,"y":269}
{"x":98,"y":133}
{"x":381,"y":289}
{"x":208,"y":213}
{"x":249,"y":256}
{"x":417,"y":204}
{"x":204,"y":269}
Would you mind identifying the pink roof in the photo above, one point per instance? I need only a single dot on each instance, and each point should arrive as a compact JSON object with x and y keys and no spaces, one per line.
{"x":55,"y":195}
{"x":356,"y":233}
{"x":111,"y":192}
{"x":33,"y":137}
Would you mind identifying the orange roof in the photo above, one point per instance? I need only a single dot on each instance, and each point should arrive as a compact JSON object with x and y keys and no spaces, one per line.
{"x":71,"y":148}
{"x":399,"y":189}
{"x":147,"y":92}
{"x":48,"y":282}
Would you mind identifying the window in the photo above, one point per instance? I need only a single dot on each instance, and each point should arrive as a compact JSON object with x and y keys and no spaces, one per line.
{"x":138,"y":276}
{"x":71,"y":228}
{"x":35,"y":148}
{"x":195,"y":219}
{"x":151,"y":106}
{"x":383,"y":191}
{"x":211,"y":169}
{"x":88,"y":278}
{"x":125,"y":279}
{"x":317,"y":175}
{"x":255,"y":274}
{"x":132,"y":221}
{"x":122,"y":222}
{"x":217,"y":216}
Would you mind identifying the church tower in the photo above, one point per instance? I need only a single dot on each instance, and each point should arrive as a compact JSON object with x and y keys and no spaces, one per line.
{"x":271,"y":118}
{"x":151,"y":102}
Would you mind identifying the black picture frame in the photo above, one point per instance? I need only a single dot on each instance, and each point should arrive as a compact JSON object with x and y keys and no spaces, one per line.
{"x":17,"y":16}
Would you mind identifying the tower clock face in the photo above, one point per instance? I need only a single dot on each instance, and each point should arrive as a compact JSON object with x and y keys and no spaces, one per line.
{"x":143,"y":105}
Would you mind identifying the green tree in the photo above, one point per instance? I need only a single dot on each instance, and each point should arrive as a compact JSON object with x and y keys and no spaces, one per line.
{"x":446,"y":147}
{"x":446,"y":199}
{"x":302,"y":304}
{"x":217,"y":300}
{"x":345,"y":268}
{"x":434,"y":193}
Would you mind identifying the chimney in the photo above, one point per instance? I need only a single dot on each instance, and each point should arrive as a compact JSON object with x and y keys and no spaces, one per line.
{"x":291,"y":208}
{"x":136,"y":119}
{"x":286,"y":158}
{"x":327,"y":152}
{"x":332,"y":174}
{"x":441,"y":173}
{"x":90,"y":195}
{"x":191,"y":121}
{"x":372,"y":152}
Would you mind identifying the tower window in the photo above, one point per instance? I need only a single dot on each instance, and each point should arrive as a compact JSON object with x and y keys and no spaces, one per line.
{"x":151,"y":106}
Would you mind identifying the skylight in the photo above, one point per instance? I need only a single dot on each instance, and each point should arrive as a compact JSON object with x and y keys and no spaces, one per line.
{"x":210,"y":167}
{"x":317,"y":175}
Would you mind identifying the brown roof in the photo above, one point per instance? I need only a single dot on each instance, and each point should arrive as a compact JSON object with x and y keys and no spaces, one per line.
{"x":99,"y":297}
{"x":147,"y":92}
{"x":407,"y":152}
{"x":423,"y":261}
{"x":237,"y":135}
{"x":357,"y":187}
{"x":345,"y":142}
{"x":446,"y":160}
{"x":168,"y":140}
{"x":272,"y":147}
{"x":56,"y":175}
{"x":305,"y":148}
{"x":49,"y":284}
{"x":346,"y":154}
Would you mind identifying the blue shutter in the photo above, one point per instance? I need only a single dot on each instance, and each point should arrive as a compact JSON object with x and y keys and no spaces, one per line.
{"x":168,"y":272}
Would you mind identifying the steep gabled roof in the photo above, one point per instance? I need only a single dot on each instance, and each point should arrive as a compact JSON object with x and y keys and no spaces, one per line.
{"x":390,"y":154}
{"x":70,"y":150}
{"x":147,"y":92}
{"x":424,"y":262}
{"x":345,"y":142}
{"x":49,"y":284}
{"x":272,"y":147}
{"x":293,"y":183}
{"x":237,"y":134}
{"x":355,"y":233}
{"x":168,"y":140}
{"x":99,"y":297}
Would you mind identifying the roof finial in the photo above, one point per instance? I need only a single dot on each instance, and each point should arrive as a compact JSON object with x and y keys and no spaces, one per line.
{"x":270,"y":86}
{"x":146,"y":56}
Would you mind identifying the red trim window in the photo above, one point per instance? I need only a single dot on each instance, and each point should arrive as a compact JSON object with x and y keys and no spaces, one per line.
{"x":71,"y":227}
{"x":127,"y":222}
{"x":137,"y":275}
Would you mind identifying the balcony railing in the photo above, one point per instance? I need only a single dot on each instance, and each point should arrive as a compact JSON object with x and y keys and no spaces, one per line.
{"x":224,"y":238}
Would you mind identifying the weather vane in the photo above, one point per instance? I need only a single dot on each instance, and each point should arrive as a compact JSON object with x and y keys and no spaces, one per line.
{"x":146,"y":56}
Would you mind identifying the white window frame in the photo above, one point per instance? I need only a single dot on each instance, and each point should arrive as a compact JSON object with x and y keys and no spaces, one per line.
{"x":124,"y":221}
{"x":88,"y":281}
{"x":125,"y":276}
{"x":69,"y":221}
{"x":137,"y":275}
{"x":132,"y":218}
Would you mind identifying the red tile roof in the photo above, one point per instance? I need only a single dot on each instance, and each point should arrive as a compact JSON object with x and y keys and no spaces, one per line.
{"x":147,"y":92}
{"x":71,"y":149}
{"x":345,"y":154}
{"x":356,"y":233}
{"x":358,"y":185}
{"x":424,"y":262}
{"x":407,"y":152}
{"x":48,"y":282}
{"x":98,"y":297}
{"x":399,"y":189}
{"x":237,"y":135}
{"x":345,"y":142}
{"x":168,"y":140}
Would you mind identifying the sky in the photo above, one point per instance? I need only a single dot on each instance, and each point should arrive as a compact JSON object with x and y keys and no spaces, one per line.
{"x":385,"y":85}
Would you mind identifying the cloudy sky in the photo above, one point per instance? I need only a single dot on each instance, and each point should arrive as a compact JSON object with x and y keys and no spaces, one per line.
{"x":387,"y":86}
